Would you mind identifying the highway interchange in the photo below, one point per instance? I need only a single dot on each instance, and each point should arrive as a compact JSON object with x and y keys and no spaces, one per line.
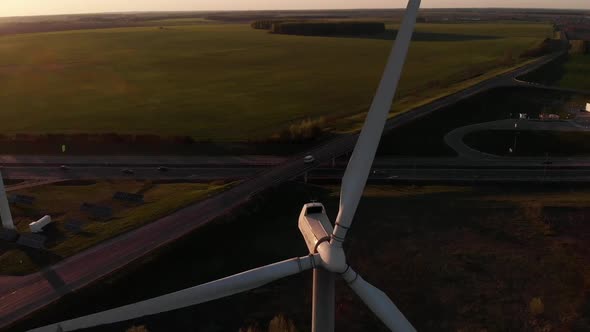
{"x":21,"y":296}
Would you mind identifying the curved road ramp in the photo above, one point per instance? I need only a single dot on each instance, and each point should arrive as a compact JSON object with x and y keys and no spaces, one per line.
{"x":455,"y":138}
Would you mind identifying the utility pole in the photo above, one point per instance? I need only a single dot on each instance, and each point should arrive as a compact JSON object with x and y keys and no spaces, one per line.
{"x":515,"y":141}
{"x":545,"y":165}
{"x":5,"y":214}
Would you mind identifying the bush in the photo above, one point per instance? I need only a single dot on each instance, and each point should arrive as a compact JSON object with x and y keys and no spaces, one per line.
{"x":578,"y":47}
{"x":507,"y":59}
{"x":546,"y":47}
{"x":281,"y":324}
{"x":536,"y":306}
{"x":304,"y":131}
{"x":140,"y":328}
{"x":251,"y":329}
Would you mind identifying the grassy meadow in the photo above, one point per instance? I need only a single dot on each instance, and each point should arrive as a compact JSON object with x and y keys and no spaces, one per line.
{"x":577,"y":70}
{"x":230,"y":82}
{"x":62,"y":201}
{"x":495,"y":258}
{"x":569,"y":72}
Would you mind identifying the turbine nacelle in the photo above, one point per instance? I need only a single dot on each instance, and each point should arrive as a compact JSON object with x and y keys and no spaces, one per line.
{"x":314,"y":225}
{"x":316,"y":228}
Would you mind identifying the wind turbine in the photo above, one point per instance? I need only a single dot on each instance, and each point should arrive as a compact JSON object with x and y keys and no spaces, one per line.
{"x":327,"y":256}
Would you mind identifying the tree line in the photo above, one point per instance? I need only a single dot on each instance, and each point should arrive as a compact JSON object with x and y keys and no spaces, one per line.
{"x":546,"y":47}
{"x":264,"y":24}
{"x":311,"y":28}
{"x":328,"y":28}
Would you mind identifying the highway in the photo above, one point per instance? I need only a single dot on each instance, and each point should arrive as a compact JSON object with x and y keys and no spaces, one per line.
{"x":21,"y":296}
{"x":403,"y":169}
{"x":464,"y":175}
{"x":145,"y":161}
{"x":142,"y":173}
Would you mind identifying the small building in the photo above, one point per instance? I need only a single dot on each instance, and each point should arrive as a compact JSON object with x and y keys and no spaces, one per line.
{"x":587,"y":107}
{"x":37,"y":226}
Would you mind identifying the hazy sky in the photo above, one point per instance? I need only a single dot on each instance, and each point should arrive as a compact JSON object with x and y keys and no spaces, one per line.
{"x":47,"y":7}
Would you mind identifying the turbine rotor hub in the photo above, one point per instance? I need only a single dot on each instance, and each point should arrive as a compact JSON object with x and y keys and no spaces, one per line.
{"x":332,"y":257}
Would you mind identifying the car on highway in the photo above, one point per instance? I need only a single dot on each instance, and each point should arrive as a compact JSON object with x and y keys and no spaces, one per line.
{"x":64,"y":167}
{"x":128,"y":171}
{"x":163,"y":169}
{"x":309,"y":159}
{"x":547,"y":162}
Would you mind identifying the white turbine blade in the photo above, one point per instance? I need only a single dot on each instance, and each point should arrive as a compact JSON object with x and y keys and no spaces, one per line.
{"x":359,"y":166}
{"x":378,"y":302}
{"x":199,"y":294}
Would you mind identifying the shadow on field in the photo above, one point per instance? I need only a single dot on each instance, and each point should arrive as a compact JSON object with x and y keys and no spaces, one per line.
{"x":426,"y":36}
{"x":44,"y":259}
{"x":550,"y":73}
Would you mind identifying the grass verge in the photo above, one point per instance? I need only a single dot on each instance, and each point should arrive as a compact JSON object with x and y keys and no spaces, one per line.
{"x":63,"y":202}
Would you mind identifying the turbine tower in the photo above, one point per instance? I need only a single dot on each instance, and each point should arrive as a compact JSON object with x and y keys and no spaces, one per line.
{"x":324,"y":241}
{"x":5,"y":214}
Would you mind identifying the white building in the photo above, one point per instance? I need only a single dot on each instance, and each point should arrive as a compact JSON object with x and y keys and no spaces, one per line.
{"x":587,"y":107}
{"x":37,"y":226}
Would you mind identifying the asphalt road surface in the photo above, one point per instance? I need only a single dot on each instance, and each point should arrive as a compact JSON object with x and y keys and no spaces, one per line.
{"x":145,"y":161}
{"x":143,"y":173}
{"x":429,"y":170}
{"x":465,"y":175}
{"x":22,"y":296}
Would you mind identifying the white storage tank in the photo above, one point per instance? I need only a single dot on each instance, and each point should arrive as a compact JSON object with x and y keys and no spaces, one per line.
{"x":37,"y":226}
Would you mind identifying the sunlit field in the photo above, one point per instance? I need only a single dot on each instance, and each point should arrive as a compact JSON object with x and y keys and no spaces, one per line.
{"x":229,"y":82}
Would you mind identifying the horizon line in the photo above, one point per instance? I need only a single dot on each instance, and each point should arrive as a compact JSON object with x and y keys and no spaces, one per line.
{"x":278,"y":10}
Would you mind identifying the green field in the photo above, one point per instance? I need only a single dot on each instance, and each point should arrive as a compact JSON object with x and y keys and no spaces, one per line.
{"x":570,"y":72}
{"x":229,"y":82}
{"x":452,"y":259}
{"x":62,"y":202}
